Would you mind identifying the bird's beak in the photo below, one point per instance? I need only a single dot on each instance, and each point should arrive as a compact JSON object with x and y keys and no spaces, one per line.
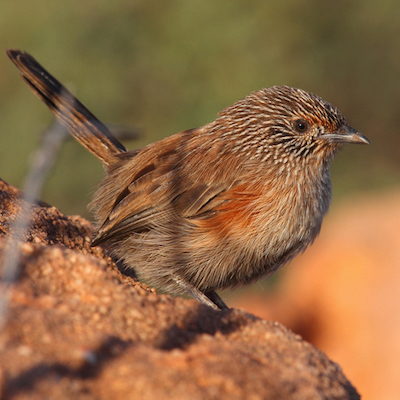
{"x":346,"y":134}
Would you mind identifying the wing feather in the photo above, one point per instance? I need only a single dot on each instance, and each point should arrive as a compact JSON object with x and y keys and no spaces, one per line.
{"x":162,"y":186}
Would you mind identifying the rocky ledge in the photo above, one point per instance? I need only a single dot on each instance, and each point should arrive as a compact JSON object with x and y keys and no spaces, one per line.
{"x":78,"y":328}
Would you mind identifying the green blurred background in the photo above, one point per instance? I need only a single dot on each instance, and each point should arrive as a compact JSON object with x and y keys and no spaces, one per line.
{"x":165,"y":66}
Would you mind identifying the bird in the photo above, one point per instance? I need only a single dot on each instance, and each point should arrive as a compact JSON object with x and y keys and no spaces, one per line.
{"x":214,"y":207}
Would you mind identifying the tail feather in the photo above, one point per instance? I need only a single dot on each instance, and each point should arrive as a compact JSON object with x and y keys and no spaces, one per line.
{"x":81,"y":123}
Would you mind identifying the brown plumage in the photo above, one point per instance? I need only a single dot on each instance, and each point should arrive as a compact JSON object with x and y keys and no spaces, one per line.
{"x":214,"y":207}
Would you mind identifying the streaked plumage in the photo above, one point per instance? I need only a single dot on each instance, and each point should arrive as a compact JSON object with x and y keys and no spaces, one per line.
{"x":214,"y":207}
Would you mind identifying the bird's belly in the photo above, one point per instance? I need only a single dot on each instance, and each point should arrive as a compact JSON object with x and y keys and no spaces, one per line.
{"x":246,"y":249}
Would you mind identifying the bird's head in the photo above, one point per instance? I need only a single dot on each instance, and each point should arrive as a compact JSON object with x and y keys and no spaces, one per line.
{"x":285,"y":125}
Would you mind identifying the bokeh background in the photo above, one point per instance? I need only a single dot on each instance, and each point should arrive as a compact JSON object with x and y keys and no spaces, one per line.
{"x":165,"y":66}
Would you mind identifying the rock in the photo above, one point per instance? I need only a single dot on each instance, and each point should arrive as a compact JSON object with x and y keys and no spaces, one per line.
{"x":78,"y":328}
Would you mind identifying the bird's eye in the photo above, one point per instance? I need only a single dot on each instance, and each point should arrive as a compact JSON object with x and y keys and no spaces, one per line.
{"x":301,"y":126}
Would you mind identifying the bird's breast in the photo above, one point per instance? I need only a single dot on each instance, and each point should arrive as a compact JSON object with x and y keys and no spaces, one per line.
{"x":263,"y":226}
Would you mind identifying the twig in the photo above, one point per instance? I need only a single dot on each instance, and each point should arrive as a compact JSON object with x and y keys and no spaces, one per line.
{"x":41,"y":164}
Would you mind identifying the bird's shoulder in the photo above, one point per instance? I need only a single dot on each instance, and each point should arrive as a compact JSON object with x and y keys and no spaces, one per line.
{"x":159,"y":181}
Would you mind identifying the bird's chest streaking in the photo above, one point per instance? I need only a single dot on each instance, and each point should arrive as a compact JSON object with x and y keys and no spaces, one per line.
{"x":260,"y":228}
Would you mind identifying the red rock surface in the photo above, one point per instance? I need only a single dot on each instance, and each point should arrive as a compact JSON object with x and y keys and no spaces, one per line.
{"x":79,"y":329}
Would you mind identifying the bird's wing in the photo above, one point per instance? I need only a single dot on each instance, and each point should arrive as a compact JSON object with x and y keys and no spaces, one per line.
{"x":158,"y":189}
{"x":200,"y":200}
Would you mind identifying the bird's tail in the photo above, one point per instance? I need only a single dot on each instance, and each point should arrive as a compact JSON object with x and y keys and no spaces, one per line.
{"x":81,"y":123}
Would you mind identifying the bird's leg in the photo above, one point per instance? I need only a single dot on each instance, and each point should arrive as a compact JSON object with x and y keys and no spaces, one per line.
{"x":210,"y":298}
{"x":213,"y":296}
